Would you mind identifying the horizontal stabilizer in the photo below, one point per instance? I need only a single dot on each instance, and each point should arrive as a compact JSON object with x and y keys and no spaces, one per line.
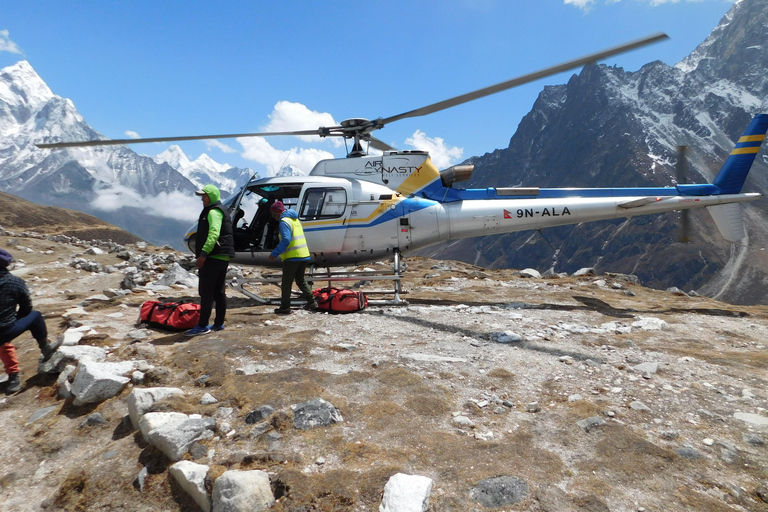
{"x":729,"y":221}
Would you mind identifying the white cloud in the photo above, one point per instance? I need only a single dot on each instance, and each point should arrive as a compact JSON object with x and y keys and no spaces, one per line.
{"x":210,"y":144}
{"x":443,"y":156}
{"x":175,"y":205}
{"x":288,"y":116}
{"x":259,"y":150}
{"x":132,"y":134}
{"x":581,"y":4}
{"x":6,"y":45}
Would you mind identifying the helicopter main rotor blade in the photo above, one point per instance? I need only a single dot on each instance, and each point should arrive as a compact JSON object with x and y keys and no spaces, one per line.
{"x":464,"y":98}
{"x":381,"y":145}
{"x":111,"y":142}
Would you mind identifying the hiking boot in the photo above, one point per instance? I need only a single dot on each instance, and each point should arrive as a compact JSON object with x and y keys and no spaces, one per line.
{"x":216,"y":328}
{"x":13,"y":384}
{"x":311,"y":306}
{"x":50,"y":348}
{"x":283,"y":311}
{"x":198,"y":330}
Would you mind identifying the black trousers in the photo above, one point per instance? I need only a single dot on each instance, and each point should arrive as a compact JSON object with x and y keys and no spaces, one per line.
{"x":213,"y":279}
{"x":294,"y":271}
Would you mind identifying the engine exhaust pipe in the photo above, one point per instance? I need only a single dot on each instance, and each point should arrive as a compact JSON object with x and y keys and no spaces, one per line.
{"x":455,"y":174}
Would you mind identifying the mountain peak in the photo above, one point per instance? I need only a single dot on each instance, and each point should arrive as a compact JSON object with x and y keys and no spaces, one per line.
{"x":21,"y":85}
{"x":173,"y":156}
{"x":205,"y":161}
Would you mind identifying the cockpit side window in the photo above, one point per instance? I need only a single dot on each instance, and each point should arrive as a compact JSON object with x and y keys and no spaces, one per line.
{"x":323,"y":203}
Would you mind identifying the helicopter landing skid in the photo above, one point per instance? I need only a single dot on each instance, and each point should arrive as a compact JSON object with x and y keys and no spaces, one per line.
{"x":329,"y":277}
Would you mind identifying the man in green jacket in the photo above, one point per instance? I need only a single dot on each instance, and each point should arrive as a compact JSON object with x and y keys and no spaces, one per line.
{"x":214,"y":246}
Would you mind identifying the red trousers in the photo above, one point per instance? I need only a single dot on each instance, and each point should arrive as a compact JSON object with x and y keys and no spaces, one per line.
{"x":9,"y":358}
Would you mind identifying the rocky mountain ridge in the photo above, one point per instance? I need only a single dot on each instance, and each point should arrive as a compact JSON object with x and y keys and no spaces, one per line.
{"x":611,"y":128}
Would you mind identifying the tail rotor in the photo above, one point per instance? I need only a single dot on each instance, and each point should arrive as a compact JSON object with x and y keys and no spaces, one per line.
{"x":681,"y":171}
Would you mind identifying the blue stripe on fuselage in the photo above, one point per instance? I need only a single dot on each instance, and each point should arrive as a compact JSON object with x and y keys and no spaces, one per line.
{"x":451,"y":195}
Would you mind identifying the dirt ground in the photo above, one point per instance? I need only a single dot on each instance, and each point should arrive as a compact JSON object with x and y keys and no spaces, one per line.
{"x":400,"y":376}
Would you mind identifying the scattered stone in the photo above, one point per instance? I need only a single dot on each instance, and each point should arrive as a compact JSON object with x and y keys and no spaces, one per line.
{"x":96,"y":382}
{"x":637,"y":405}
{"x":406,"y":493}
{"x":462,"y":421}
{"x":241,"y":491}
{"x":530,"y":273}
{"x":500,"y":491}
{"x":93,"y":419}
{"x":589,"y":424}
{"x":40,"y":413}
{"x":259,"y":414}
{"x":505,"y":337}
{"x":586,"y":271}
{"x":753,"y":439}
{"x":532,"y":407}
{"x":688,"y":453}
{"x":140,"y":479}
{"x":315,"y":413}
{"x":207,"y":399}
{"x":646,"y":368}
{"x":173,"y":433}
{"x":752,"y":419}
{"x":650,"y":324}
{"x":191,"y":478}
{"x":141,"y":400}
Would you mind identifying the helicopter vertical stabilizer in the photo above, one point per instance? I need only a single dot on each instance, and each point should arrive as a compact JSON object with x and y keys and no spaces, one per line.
{"x":731,"y":177}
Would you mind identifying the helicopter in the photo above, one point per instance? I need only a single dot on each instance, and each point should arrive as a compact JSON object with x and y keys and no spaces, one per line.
{"x":369,"y":207}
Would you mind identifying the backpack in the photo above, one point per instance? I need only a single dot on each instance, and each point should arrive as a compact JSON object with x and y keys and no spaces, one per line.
{"x":170,"y":315}
{"x":339,"y":300}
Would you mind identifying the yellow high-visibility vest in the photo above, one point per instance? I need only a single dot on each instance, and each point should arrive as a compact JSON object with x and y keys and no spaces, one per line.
{"x":297,"y":248}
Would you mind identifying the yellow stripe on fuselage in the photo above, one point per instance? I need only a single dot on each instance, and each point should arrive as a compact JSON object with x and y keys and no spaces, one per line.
{"x":420,"y":178}
{"x":752,"y":138}
{"x":745,"y":151}
{"x":383,"y":207}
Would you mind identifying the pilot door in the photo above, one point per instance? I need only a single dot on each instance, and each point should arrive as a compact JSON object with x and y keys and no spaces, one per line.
{"x":324,"y":215}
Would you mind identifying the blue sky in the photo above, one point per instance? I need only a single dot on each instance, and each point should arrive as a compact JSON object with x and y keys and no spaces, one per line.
{"x":164,"y":68}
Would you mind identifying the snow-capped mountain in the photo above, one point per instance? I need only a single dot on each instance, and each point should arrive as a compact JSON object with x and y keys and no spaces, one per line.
{"x":152,"y":199}
{"x":611,"y":128}
{"x":204,"y":170}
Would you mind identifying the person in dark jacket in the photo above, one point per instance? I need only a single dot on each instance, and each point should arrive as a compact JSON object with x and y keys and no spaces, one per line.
{"x":16,"y":317}
{"x":214,"y":246}
{"x":294,"y":252}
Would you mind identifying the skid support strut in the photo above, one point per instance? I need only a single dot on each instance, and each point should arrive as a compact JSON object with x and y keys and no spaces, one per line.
{"x":314,"y":275}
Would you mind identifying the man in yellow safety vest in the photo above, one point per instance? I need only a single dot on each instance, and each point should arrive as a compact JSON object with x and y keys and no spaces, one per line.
{"x":294,"y":252}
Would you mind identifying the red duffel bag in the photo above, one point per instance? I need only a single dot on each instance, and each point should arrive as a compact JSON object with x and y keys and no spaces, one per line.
{"x":170,"y":315}
{"x":339,"y":300}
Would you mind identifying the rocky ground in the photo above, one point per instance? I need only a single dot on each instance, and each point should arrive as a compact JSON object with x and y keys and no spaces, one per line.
{"x":588,"y":393}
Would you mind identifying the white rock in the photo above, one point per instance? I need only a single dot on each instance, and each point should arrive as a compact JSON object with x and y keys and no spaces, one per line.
{"x":96,"y":382}
{"x":141,"y":400}
{"x":530,"y":273}
{"x":754,"y":419}
{"x":191,"y":478}
{"x":406,"y":493}
{"x":242,"y":491}
{"x":646,"y":367}
{"x":649,"y":324}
